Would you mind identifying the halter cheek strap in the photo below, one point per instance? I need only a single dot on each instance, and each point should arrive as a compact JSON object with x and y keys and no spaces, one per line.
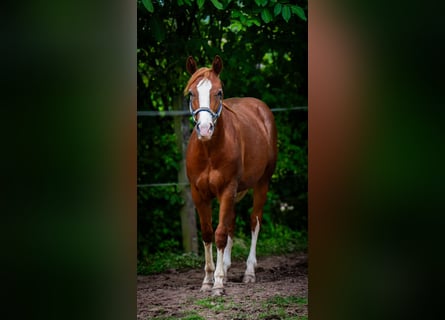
{"x":215,"y":115}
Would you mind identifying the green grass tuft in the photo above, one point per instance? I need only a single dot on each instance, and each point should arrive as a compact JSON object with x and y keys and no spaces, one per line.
{"x":285,"y":301}
{"x":164,"y":261}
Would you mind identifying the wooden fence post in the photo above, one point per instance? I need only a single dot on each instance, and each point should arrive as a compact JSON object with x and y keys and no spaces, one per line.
{"x":188,"y":215}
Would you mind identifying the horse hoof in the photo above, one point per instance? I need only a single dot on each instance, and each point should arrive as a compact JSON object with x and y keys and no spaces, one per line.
{"x":217,"y":292}
{"x":249,"y":278}
{"x":206,"y":287}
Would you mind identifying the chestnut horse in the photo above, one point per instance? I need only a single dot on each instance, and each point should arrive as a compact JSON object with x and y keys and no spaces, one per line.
{"x":232,"y":149}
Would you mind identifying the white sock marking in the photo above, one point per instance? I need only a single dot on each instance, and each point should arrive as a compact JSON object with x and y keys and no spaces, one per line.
{"x":219,"y":272}
{"x":209,"y":265}
{"x":251,"y":260}
{"x":227,"y":255}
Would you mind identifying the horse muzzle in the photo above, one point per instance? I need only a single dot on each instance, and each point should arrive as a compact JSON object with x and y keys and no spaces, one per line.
{"x":205,"y":130}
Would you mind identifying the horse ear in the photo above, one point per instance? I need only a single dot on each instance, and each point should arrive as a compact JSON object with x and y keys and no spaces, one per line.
{"x":191,"y":65}
{"x":217,"y":64}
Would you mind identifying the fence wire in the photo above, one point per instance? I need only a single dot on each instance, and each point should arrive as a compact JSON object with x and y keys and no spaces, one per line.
{"x":173,"y":113}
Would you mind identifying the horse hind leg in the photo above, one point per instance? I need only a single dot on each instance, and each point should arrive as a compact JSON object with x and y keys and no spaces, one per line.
{"x":259,"y":199}
{"x":251,"y":263}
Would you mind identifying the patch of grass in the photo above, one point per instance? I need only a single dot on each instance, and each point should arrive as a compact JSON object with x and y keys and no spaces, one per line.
{"x":286,"y":301}
{"x":277,"y":307}
{"x":214,"y":303}
{"x":273,"y":313}
{"x":163,"y":261}
{"x":192,"y":315}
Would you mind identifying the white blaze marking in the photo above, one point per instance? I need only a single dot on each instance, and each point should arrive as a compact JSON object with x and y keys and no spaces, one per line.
{"x":204,"y":86}
{"x":251,"y":260}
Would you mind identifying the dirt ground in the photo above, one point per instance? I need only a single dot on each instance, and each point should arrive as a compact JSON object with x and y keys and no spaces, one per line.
{"x":280,"y":292}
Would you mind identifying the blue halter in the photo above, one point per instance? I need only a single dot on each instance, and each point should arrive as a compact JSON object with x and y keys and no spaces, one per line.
{"x":215,"y":115}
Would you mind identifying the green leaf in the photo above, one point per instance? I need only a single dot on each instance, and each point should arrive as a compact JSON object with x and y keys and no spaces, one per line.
{"x":285,"y":12}
{"x":277,"y":9}
{"x":148,"y":5}
{"x":261,"y":3}
{"x":236,"y":14}
{"x":243,"y":19}
{"x":200,"y":3}
{"x":256,"y":22}
{"x":266,"y":15}
{"x":158,"y":29}
{"x":218,"y":5}
{"x":299,"y":12}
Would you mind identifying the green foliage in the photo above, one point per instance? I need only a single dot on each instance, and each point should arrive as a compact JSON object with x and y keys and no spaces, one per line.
{"x":278,"y":239}
{"x":263,"y":44}
{"x":148,"y":4}
{"x":160,"y":262}
{"x":217,"y":4}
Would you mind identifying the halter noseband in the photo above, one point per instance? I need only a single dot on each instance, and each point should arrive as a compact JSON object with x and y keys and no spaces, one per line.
{"x":215,"y":115}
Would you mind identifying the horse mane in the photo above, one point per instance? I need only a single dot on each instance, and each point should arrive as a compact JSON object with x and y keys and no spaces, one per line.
{"x":201,"y":72}
{"x":225,"y":105}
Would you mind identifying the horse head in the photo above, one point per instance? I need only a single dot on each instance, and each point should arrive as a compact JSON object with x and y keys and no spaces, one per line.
{"x":205,"y":96}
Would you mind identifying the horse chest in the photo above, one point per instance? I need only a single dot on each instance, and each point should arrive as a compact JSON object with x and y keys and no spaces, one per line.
{"x":210,"y":182}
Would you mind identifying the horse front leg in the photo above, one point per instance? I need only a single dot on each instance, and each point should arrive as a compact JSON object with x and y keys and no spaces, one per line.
{"x":209,"y":267}
{"x":224,"y":241}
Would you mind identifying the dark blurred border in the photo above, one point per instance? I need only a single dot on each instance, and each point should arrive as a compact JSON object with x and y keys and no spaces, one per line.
{"x":376,"y":155}
{"x":68,"y":113}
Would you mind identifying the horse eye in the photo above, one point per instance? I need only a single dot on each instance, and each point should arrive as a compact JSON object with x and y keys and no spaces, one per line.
{"x":219,"y":94}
